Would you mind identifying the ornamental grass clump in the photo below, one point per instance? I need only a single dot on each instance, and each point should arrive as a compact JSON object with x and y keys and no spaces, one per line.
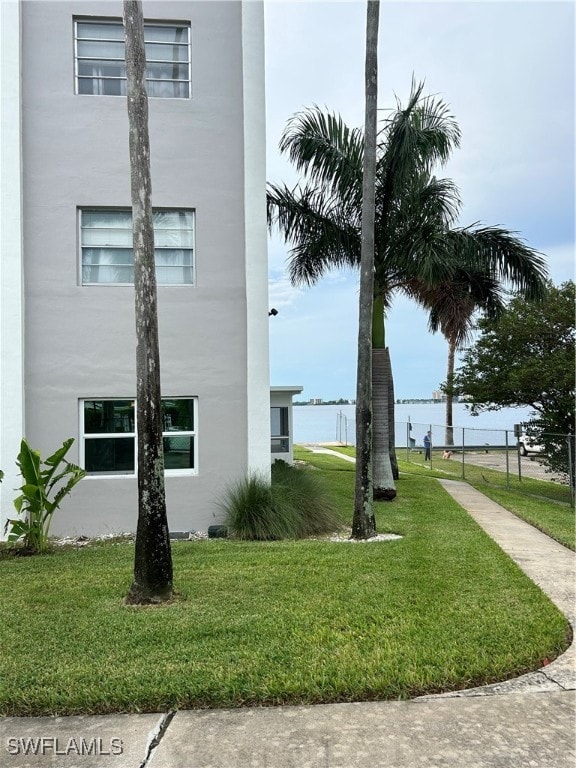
{"x":293,"y":506}
{"x":306,"y":493}
{"x":253,"y":513}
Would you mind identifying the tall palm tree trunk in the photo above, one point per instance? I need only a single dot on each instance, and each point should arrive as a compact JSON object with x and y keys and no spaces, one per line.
{"x":383,"y":475}
{"x":384,"y":487}
{"x":449,"y":436}
{"x":363,"y":521}
{"x":152,"y":559}
{"x":391,"y":418}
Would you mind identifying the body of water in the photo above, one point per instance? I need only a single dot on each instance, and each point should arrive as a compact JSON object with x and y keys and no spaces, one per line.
{"x":329,"y":423}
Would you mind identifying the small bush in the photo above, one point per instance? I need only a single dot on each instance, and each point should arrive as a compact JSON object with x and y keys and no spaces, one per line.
{"x":252,"y":514}
{"x":295,"y":505}
{"x":303,"y":490}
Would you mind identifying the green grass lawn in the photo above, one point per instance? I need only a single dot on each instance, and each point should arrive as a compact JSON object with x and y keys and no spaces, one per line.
{"x":277,"y":622}
{"x":544,"y":504}
{"x":477,"y":474}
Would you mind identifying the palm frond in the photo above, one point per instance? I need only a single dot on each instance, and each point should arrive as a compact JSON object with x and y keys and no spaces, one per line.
{"x":438,"y":199}
{"x":324,"y":233}
{"x":485,"y":261}
{"x":453,"y":304}
{"x":326,"y":151}
{"x":419,"y":136}
{"x":411,"y":241}
{"x":503,"y":253}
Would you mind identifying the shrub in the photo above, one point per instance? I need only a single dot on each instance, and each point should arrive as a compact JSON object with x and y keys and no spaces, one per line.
{"x":294,"y":505}
{"x":306,"y":493}
{"x":252,"y":514}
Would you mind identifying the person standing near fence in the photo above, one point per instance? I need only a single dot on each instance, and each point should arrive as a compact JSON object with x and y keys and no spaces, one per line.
{"x":427,"y":446}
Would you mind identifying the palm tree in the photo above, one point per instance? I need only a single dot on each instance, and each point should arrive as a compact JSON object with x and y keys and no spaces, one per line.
{"x":452,"y":306}
{"x":152,"y":557}
{"x":416,"y":242}
{"x":363,"y":521}
{"x":476,"y":287}
{"x":321,"y":220}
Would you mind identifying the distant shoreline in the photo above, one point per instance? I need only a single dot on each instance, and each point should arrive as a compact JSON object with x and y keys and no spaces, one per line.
{"x":412,"y":419}
{"x":398,"y":401}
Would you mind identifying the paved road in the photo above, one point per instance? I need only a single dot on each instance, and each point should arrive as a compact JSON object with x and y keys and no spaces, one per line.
{"x":530,"y":466}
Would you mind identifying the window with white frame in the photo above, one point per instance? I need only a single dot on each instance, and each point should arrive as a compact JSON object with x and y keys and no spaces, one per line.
{"x":108,"y":436}
{"x":279,"y":430}
{"x":100,"y":58}
{"x":106,"y":247}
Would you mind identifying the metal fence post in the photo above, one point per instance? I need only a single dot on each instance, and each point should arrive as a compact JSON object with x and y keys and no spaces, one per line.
{"x":507,"y":460}
{"x":463,"y":459}
{"x":571,"y":467}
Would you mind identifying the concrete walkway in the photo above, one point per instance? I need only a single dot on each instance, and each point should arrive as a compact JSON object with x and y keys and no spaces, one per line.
{"x":527,"y":722}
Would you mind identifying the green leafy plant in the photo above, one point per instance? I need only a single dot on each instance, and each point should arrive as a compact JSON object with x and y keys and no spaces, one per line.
{"x":42,"y":493}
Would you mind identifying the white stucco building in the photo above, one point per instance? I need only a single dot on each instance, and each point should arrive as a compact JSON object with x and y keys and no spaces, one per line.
{"x":67,"y":338}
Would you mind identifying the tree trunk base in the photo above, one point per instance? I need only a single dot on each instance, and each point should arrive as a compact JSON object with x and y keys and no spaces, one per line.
{"x":362,"y":535}
{"x":384,"y":494}
{"x":137,"y":595}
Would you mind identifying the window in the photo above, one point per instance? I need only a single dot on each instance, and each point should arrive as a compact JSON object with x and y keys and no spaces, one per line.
{"x":108,"y":430}
{"x":106,"y":247}
{"x":279,"y":430}
{"x":101,"y":61}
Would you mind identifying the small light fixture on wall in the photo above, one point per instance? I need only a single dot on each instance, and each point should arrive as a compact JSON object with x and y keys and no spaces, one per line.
{"x":273,"y":312}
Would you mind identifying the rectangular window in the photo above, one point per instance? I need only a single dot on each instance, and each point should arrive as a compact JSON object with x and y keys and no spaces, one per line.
{"x":108,"y":430}
{"x":106,"y":247}
{"x":100,"y":59}
{"x":279,"y":430}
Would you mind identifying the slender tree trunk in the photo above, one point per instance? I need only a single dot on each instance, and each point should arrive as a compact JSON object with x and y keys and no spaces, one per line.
{"x":363,"y":522}
{"x":384,"y":486}
{"x":383,"y":473}
{"x":392,"y":418}
{"x":449,"y":437}
{"x":153,"y":558}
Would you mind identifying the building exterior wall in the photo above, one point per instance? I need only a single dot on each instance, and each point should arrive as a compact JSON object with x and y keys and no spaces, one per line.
{"x":256,"y":237}
{"x":11,"y":254}
{"x":80,"y":340}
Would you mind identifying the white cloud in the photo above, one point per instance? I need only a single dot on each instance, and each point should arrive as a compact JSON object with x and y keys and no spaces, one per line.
{"x":282,"y":293}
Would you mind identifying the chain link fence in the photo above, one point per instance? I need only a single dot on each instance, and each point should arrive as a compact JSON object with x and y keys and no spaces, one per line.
{"x":494,"y":456}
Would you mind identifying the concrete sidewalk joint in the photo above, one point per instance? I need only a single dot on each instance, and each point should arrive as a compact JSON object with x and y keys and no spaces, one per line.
{"x":156,"y":736}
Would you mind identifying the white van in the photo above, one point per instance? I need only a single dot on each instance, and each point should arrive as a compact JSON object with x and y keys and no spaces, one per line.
{"x":527,"y":445}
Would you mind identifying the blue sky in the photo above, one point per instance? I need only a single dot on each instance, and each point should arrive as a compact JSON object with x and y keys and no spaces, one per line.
{"x":507,"y":71}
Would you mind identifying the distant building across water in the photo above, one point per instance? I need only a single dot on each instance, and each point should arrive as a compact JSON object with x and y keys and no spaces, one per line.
{"x":437,"y":397}
{"x":320,"y":401}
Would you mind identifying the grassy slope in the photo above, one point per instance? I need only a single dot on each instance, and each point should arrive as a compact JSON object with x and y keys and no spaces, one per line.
{"x":541,"y":503}
{"x":280,"y":622}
